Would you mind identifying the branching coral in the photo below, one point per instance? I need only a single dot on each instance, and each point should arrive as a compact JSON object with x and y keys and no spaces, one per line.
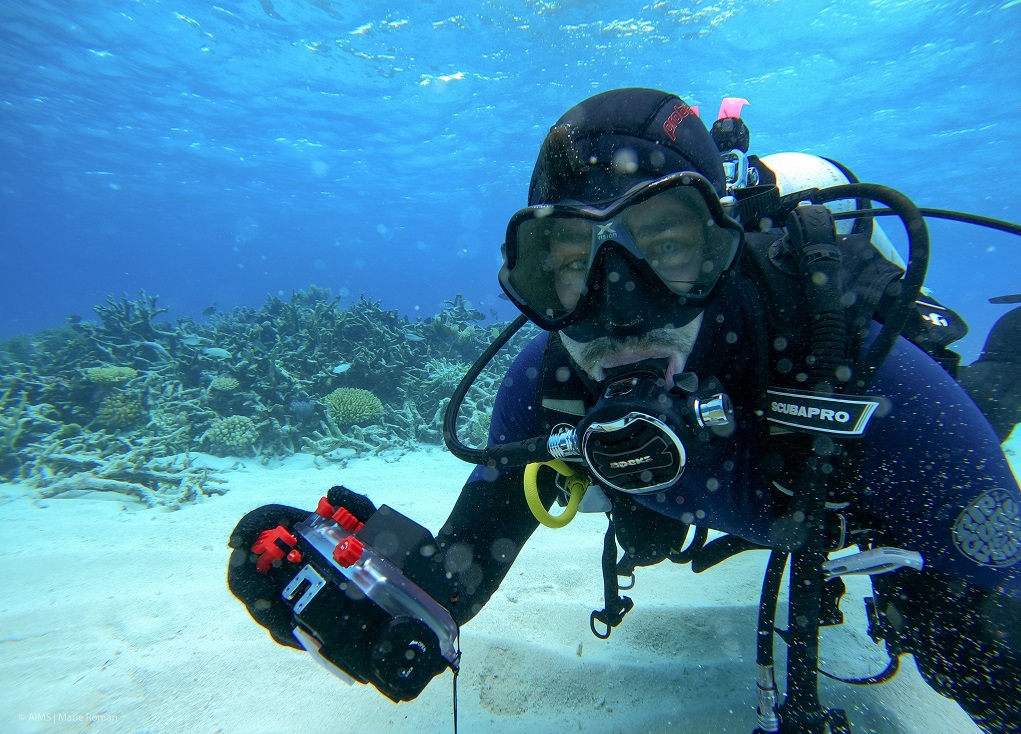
{"x":349,"y":406}
{"x":97,"y":398}
{"x":232,"y":436}
{"x":121,"y":410}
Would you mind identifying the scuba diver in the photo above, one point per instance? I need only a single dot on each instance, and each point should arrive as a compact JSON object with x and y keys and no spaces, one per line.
{"x":713,"y":355}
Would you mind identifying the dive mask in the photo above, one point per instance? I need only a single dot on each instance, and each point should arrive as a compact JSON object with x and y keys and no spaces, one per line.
{"x":652,"y":258}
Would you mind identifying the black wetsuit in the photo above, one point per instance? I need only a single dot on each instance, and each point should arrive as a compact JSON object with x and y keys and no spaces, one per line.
{"x":929,"y":476}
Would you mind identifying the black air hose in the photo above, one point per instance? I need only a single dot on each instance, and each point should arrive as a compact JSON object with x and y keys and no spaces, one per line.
{"x":813,"y":238}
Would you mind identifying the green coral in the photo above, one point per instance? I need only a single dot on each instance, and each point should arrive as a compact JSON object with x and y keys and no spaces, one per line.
{"x":58,"y":382}
{"x":109,"y":375}
{"x":224,"y":383}
{"x":348,"y":406}
{"x":234,"y":435}
{"x":121,"y":410}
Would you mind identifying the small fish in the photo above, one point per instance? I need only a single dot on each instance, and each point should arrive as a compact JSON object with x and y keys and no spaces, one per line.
{"x":74,"y":319}
{"x":341,"y":368}
{"x":190,"y":341}
{"x":259,"y":347}
{"x":216,"y":353}
{"x":209,"y":311}
{"x":1006,"y":299}
{"x":413,"y":337}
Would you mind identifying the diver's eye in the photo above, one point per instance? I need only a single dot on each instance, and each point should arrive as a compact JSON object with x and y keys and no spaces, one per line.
{"x":575,"y":265}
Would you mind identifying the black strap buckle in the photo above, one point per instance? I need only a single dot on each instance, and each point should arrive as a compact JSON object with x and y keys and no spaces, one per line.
{"x":624,"y":606}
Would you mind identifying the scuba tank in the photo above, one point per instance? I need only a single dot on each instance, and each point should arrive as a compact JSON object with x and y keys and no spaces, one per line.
{"x":797,"y":172}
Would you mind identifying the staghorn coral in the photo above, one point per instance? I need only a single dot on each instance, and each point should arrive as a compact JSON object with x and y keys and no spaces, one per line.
{"x":232,"y":436}
{"x":348,"y":406}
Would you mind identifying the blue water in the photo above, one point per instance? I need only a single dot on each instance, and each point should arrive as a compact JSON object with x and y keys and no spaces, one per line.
{"x":212,"y":154}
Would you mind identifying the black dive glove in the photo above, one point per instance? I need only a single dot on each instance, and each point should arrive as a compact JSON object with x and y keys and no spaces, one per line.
{"x":338,"y":583}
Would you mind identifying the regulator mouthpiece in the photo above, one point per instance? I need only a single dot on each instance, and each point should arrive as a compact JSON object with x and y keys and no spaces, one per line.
{"x":636,"y":438}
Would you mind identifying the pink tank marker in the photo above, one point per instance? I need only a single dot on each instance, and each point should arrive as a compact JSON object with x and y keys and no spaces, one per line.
{"x":731,"y":107}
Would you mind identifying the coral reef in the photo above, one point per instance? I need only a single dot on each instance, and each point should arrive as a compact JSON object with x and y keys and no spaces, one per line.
{"x":226,"y":383}
{"x":113,"y":404}
{"x":109,"y":375}
{"x":350,"y":406}
{"x":120,"y":410}
{"x":234,"y":435}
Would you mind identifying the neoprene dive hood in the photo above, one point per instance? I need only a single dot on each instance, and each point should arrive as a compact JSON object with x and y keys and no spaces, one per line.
{"x":603,"y":146}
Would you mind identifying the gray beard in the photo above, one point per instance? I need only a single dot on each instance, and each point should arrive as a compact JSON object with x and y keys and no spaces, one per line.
{"x":599,"y":355}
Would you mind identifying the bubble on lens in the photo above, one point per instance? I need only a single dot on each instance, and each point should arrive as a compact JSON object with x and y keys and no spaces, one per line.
{"x":712,"y":484}
{"x":319,"y":168}
{"x":843,"y":373}
{"x":563,"y":374}
{"x":780,"y":343}
{"x":625,"y":160}
{"x":708,"y":266}
{"x":657,"y":159}
{"x":819,"y":278}
{"x":613,"y":277}
{"x":503,"y":550}
{"x":458,"y":558}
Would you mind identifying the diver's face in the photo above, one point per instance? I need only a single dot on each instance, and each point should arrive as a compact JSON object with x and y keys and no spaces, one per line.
{"x":668,"y":230}
{"x":599,"y":355}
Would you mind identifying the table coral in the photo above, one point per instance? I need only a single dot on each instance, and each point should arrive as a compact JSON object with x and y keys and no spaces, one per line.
{"x":107,"y":375}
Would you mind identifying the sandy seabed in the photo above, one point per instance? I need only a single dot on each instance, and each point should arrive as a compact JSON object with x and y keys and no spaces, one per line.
{"x":117,"y":618}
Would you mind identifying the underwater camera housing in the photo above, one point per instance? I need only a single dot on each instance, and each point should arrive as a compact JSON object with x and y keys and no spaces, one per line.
{"x":353,"y":608}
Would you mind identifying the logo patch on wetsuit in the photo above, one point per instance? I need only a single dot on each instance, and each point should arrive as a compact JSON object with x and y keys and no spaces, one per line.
{"x":846,"y":416}
{"x":988,"y":531}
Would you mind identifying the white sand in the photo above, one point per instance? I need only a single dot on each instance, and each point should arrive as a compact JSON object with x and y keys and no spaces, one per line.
{"x":118,"y":619}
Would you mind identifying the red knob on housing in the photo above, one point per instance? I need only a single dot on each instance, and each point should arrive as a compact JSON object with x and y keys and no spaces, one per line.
{"x":271,"y":546}
{"x":347,"y":521}
{"x":348,"y":551}
{"x":325,"y":509}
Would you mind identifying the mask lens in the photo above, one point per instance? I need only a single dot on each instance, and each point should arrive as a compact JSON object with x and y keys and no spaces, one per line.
{"x":673,"y":231}
{"x":676,"y":235}
{"x":553,"y":261}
